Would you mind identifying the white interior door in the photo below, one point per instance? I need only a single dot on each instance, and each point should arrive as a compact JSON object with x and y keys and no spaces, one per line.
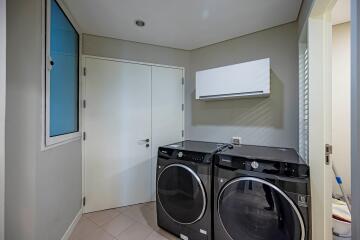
{"x":167,"y":111}
{"x":117,"y":122}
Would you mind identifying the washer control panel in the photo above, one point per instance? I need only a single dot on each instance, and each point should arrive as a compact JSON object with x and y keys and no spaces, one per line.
{"x":262,"y":166}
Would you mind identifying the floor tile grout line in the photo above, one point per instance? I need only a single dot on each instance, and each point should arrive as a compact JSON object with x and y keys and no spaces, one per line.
{"x":134,"y":218}
{"x":98,"y":228}
{"x":118,"y":213}
{"x":146,"y":207}
{"x":115,"y":237}
{"x":139,"y":222}
{"x":121,"y":213}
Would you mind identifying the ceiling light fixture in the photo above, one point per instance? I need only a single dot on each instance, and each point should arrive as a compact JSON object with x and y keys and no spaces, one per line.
{"x":139,"y":23}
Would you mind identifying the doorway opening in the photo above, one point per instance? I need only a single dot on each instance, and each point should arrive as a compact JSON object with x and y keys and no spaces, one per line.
{"x":324,"y":115}
{"x":341,"y":119}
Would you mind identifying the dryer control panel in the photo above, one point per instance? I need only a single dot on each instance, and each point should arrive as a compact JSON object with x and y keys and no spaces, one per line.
{"x":190,"y":156}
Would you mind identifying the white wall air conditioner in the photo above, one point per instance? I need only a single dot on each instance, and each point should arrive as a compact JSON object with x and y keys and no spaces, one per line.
{"x":249,"y":79}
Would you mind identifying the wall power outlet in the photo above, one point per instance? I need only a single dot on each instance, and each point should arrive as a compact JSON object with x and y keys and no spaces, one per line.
{"x":236,"y":140}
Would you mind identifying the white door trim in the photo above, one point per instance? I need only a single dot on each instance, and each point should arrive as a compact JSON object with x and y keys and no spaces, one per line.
{"x":131,"y":61}
{"x":83,"y":97}
{"x":355,"y":117}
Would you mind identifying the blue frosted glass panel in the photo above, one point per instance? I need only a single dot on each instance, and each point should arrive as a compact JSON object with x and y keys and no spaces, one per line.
{"x":64,"y":76}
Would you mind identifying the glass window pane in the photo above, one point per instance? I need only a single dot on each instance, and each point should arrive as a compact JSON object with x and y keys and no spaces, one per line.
{"x":64,"y":76}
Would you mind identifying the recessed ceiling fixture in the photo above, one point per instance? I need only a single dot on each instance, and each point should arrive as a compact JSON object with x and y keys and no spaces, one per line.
{"x":139,"y":23}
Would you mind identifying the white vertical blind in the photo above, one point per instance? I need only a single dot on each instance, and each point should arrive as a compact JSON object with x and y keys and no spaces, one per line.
{"x":304,"y":102}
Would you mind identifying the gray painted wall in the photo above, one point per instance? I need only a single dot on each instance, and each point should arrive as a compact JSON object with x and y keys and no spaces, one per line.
{"x":23,"y":88}
{"x":2,"y":111}
{"x":355,"y":118}
{"x":121,"y":49}
{"x":43,"y":189}
{"x":269,"y":121}
{"x":58,"y":193}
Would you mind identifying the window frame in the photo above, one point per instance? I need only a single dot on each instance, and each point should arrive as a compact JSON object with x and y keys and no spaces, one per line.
{"x":303,"y":50}
{"x":48,"y":140}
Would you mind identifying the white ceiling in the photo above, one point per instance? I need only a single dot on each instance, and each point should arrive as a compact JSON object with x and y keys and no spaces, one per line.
{"x":184,"y":24}
{"x":341,"y":12}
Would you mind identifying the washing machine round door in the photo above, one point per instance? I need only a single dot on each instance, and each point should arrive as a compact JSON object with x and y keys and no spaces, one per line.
{"x":181,"y":194}
{"x":251,"y":208}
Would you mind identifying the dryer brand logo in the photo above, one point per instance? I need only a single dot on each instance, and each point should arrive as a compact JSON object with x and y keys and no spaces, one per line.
{"x":302,"y":201}
{"x":226,"y":160}
{"x":254,"y":164}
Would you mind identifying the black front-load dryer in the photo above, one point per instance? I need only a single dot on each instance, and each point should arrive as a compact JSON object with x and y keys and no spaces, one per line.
{"x":261,"y":193}
{"x":184,"y":177}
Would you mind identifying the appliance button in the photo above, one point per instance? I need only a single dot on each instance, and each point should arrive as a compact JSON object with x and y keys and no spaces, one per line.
{"x":255,"y":164}
{"x":180,"y":154}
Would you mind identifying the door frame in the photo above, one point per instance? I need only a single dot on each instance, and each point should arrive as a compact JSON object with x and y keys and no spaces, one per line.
{"x":320,"y":77}
{"x":83,"y":97}
{"x":355,"y":117}
{"x":2,"y":112}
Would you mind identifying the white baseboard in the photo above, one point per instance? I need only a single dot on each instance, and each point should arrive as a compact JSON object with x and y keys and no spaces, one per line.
{"x":72,"y":225}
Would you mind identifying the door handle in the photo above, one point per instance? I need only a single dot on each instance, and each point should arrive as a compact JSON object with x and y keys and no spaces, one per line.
{"x":145,"y":140}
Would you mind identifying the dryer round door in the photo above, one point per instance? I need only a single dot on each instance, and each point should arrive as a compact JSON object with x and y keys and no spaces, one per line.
{"x":181,"y":194}
{"x":251,"y":208}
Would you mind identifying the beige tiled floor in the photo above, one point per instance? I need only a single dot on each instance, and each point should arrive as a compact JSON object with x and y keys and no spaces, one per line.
{"x":137,"y":222}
